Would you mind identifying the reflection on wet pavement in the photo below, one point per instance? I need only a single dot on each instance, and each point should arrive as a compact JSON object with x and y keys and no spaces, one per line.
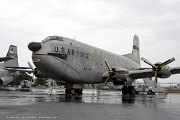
{"x":93,"y":104}
{"x":89,"y":96}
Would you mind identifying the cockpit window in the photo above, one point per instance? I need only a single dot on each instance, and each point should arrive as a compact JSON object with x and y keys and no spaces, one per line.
{"x":50,"y":38}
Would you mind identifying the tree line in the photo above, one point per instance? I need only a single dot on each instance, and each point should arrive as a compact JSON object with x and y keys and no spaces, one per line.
{"x":24,"y":76}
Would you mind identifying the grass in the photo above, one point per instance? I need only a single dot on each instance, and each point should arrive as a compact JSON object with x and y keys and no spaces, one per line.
{"x":173,"y":91}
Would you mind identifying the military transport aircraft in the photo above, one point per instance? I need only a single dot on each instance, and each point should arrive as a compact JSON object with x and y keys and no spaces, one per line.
{"x":76,"y":64}
{"x":9,"y":66}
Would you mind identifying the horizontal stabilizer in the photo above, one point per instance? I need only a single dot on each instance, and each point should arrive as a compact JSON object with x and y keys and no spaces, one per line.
{"x":6,"y":79}
{"x":4,"y":59}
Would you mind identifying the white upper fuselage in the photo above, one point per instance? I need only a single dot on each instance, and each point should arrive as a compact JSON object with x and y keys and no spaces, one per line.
{"x":71,"y":61}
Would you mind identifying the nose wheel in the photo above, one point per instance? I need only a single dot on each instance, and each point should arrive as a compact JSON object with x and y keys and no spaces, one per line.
{"x":73,"y":91}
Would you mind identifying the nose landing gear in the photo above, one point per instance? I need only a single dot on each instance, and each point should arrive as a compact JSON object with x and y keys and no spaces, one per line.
{"x":74,"y":89}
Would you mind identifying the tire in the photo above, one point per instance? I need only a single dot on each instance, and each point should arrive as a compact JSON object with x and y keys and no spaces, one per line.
{"x":131,"y":90}
{"x":125,"y":90}
{"x":73,"y":91}
{"x":67,"y":91}
{"x":80,"y":92}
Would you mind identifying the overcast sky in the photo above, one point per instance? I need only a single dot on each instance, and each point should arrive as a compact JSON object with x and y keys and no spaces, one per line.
{"x":106,"y":24}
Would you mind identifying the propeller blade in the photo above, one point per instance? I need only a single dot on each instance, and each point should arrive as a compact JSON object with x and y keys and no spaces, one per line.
{"x":35,"y":70}
{"x":30,"y":65}
{"x":32,"y":81}
{"x":107,"y":64}
{"x":167,"y":62}
{"x":107,"y":80}
{"x":148,"y":62}
{"x":156,"y":79}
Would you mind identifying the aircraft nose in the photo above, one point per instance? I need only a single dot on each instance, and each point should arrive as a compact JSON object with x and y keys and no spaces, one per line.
{"x":34,"y":46}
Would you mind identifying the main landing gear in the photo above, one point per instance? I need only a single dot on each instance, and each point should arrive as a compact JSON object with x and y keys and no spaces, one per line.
{"x":128,"y":90}
{"x":74,"y":89}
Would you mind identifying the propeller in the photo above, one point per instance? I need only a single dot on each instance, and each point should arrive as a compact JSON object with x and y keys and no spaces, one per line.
{"x":157,"y":67}
{"x":35,"y":70}
{"x":112,"y":71}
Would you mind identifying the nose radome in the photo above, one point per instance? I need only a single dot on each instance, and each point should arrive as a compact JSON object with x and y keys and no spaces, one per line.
{"x":34,"y":46}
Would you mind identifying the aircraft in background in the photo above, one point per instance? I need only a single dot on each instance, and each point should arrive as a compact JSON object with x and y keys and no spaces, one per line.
{"x":75,"y":64}
{"x":9,"y":66}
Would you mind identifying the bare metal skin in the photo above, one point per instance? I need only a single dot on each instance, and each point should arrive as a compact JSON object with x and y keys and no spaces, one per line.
{"x":76,"y":63}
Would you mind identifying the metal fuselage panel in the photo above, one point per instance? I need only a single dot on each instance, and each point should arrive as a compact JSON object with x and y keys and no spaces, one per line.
{"x":75,"y":62}
{"x":4,"y":73}
{"x":6,"y":76}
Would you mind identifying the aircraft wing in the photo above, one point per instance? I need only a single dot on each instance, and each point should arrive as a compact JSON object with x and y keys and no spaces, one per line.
{"x":21,"y":69}
{"x":142,"y":73}
{"x":175,"y":70}
{"x":148,"y":72}
{"x":5,"y":59}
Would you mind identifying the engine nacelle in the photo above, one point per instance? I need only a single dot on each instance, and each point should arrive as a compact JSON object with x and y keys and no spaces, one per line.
{"x":125,"y":81}
{"x":119,"y":79}
{"x":118,"y":82}
{"x":164,"y":72}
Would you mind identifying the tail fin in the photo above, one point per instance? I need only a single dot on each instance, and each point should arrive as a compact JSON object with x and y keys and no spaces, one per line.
{"x":136,"y":49}
{"x":11,"y":57}
{"x":135,"y":55}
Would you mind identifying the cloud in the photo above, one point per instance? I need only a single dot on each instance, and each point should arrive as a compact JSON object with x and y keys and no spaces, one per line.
{"x":107,"y":24}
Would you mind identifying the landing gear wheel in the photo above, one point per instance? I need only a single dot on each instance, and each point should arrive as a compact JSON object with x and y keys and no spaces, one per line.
{"x":73,"y":91}
{"x":76,"y":92}
{"x":125,"y":90}
{"x":67,"y":91}
{"x":80,"y":91}
{"x":131,"y":90}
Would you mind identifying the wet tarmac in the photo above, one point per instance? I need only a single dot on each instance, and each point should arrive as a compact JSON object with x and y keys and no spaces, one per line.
{"x":92,"y":105}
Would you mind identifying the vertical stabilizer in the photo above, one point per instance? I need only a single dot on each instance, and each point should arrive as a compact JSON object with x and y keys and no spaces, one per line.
{"x":136,"y":49}
{"x":135,"y":55}
{"x":12,"y":55}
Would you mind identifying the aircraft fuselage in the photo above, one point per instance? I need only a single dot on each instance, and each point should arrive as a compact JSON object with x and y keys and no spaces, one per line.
{"x":71,"y":61}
